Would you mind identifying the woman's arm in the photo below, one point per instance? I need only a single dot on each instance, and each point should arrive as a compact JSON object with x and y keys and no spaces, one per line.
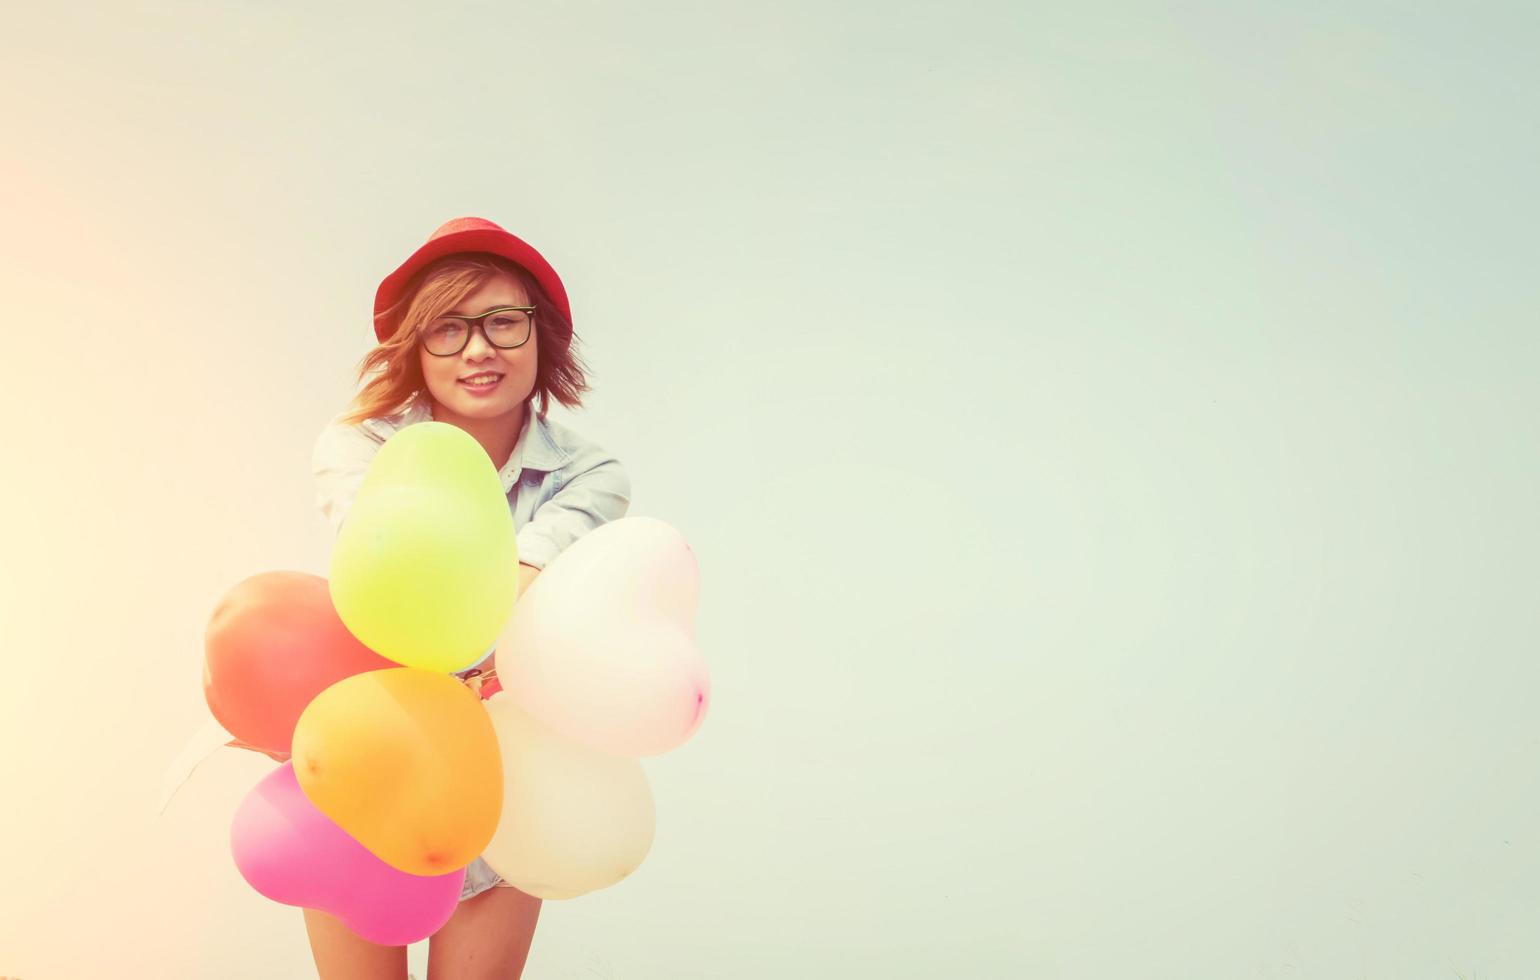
{"x":594,"y":491}
{"x":338,"y":462}
{"x":527,"y":575}
{"x":597,"y":490}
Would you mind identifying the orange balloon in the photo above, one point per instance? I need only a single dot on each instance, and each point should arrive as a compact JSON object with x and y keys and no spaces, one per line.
{"x":275,"y":642}
{"x":406,"y":761}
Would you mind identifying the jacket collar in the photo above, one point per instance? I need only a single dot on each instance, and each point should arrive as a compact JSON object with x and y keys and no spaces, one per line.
{"x":536,"y":449}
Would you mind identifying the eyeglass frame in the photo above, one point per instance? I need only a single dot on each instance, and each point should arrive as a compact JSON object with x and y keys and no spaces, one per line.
{"x":473,"y":323}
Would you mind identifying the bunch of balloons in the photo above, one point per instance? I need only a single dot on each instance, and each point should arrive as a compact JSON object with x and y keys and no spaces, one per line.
{"x":394,"y":774}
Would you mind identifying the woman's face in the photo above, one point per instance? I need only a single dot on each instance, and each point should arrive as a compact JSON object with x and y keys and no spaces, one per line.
{"x":446,"y":376}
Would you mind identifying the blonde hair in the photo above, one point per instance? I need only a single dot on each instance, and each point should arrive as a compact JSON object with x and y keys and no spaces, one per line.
{"x":395,"y":363}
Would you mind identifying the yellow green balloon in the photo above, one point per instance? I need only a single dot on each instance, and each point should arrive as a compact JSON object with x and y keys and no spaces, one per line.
{"x":425,"y":569}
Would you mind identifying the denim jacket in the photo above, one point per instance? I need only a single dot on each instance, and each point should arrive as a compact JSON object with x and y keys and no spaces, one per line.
{"x":560,"y":486}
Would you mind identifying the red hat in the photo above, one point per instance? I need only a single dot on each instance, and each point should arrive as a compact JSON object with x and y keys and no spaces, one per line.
{"x":468,"y":235}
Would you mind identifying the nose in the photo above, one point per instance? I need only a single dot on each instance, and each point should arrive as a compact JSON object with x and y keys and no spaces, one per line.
{"x":478,"y":347}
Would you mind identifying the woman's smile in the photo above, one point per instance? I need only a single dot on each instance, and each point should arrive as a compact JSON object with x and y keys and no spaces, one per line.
{"x":481,"y":383}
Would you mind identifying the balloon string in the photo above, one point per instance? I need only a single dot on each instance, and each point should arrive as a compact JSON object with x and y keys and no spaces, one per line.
{"x":476,"y":678}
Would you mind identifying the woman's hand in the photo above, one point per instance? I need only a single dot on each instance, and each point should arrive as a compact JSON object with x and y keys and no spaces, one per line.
{"x":481,"y":681}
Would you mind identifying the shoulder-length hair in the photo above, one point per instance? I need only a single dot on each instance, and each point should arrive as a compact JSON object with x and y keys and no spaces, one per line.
{"x":395,"y":363}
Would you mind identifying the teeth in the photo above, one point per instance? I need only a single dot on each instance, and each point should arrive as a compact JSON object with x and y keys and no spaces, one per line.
{"x":481,"y":378}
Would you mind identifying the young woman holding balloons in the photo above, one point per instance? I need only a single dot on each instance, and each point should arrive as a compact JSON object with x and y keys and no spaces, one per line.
{"x":474,"y":329}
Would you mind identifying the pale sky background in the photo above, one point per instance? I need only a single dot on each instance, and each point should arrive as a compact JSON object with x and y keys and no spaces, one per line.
{"x":1108,"y":432}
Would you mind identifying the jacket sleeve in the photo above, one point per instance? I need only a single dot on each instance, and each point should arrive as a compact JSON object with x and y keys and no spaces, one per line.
{"x":339,"y":461}
{"x":597,"y":492}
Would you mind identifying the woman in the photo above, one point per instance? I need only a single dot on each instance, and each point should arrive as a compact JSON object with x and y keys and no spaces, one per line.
{"x":473,"y":328}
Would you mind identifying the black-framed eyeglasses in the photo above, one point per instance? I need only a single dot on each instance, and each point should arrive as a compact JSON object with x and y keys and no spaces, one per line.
{"x":506,"y":327}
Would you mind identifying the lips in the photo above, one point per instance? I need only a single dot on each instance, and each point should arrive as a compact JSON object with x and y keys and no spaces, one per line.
{"x":482,"y":388}
{"x":483,"y":378}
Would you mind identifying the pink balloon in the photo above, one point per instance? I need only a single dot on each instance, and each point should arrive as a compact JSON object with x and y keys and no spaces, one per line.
{"x":602,"y":648}
{"x":289,"y":851}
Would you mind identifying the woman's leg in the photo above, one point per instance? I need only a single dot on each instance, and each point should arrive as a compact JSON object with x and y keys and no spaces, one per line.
{"x":487,"y":938}
{"x":341,"y":955}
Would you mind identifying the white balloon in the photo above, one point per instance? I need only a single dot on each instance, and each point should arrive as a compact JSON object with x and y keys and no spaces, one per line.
{"x":574,"y":819}
{"x":602,"y":647}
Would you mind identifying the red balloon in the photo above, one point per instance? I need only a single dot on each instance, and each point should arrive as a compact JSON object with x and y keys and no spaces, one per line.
{"x":275,"y":642}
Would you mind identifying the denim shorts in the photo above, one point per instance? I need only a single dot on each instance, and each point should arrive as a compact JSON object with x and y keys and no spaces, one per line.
{"x":479,"y":876}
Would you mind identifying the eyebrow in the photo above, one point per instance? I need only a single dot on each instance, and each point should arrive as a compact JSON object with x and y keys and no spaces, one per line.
{"x":500,"y":306}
